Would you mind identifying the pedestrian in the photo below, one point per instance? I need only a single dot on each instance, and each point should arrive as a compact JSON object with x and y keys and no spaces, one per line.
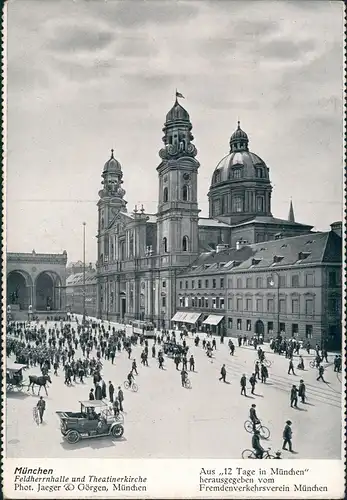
{"x":223,"y":373}
{"x":243,"y":383}
{"x":153,"y":351}
{"x":120,"y":398}
{"x":302,"y":391}
{"x":191,"y":363}
{"x":103,"y":389}
{"x":321,"y":373}
{"x":116,"y":407}
{"x":291,"y":367}
{"x":134,"y":366}
{"x":287,"y":436}
{"x":98,"y":392}
{"x":294,"y":397}
{"x":336,"y":362}
{"x":110,"y":391}
{"x":264,"y":374}
{"x":91,"y":395}
{"x":257,"y":369}
{"x":301,"y":365}
{"x":232,"y":348}
{"x":252,"y":381}
{"x":41,"y":406}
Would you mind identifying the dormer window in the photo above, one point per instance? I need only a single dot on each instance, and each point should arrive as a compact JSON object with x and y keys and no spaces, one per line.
{"x":259,"y":172}
{"x":255,"y":261}
{"x":237,"y":173}
{"x":277,"y":258}
{"x":217,"y":177}
{"x":304,"y":255}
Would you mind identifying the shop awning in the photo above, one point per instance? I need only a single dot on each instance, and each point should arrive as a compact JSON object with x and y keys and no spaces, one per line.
{"x":178,"y":316}
{"x":213,"y":319}
{"x":190,"y":318}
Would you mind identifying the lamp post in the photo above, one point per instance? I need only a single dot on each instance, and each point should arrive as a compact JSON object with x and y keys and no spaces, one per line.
{"x":272,"y":283}
{"x":84,"y":275}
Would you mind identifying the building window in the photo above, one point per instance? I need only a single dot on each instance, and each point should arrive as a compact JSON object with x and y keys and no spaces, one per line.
{"x":334,"y":305}
{"x":239,"y":324}
{"x":185,"y":193}
{"x":237,"y":204}
{"x":181,"y":285}
{"x":186,"y":284}
{"x":165,"y":194}
{"x":309,"y":330}
{"x":282,"y":328}
{"x":181,"y":302}
{"x":217,"y":177}
{"x":248,"y":325}
{"x":214,"y":283}
{"x":249,"y":283}
{"x":186,"y":301}
{"x":309,"y":279}
{"x":206,"y":284}
{"x":164,"y":284}
{"x":282,"y":281}
{"x":259,"y":305}
{"x":295,"y":306}
{"x":199,"y":302}
{"x":193,"y":283}
{"x":207,"y":302}
{"x":230,"y":283}
{"x":185,"y":243}
{"x":230,"y":323}
{"x":221,"y":303}
{"x":260,"y":204}
{"x":239,"y":283}
{"x":165,"y":245}
{"x":259,"y":172}
{"x":163,"y":301}
{"x":248,"y":304}
{"x":213,"y":302}
{"x":230,"y":303}
{"x":309,"y":307}
{"x":199,"y":283}
{"x":270,"y":327}
{"x":283,"y":306}
{"x":236,"y":173}
{"x":222,"y":282}
{"x":259,"y":283}
{"x":332,"y":279}
{"x":216,"y":207}
{"x":295,"y":280}
{"x":193,"y":302}
{"x":295,"y":329}
{"x":270,"y":305}
{"x":238,"y":304}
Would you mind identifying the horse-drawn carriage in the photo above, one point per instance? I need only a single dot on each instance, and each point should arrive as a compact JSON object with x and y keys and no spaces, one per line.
{"x":14,"y":376}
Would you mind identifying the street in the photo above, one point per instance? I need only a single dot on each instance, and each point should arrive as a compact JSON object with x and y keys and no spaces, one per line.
{"x":164,"y":420}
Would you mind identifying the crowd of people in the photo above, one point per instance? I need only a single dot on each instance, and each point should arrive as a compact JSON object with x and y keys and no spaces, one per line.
{"x":81,"y":350}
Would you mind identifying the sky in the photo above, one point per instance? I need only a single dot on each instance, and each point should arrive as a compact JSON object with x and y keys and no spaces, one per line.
{"x":87,"y":76}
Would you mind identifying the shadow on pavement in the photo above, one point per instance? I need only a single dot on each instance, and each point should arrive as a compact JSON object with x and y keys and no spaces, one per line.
{"x":95,"y":443}
{"x":17,"y":395}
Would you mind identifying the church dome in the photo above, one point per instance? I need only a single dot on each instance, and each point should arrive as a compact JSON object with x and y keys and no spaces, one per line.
{"x":177,"y":112}
{"x":112,"y":165}
{"x":240,"y":164}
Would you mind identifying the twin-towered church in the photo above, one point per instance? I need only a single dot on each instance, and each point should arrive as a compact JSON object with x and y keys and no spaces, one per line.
{"x":140,"y":255}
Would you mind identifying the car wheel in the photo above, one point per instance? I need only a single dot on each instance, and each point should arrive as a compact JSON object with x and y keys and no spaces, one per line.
{"x":73,"y":437}
{"x":117,"y":431}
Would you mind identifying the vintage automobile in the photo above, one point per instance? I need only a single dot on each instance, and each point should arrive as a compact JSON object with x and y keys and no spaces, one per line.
{"x":94,"y":420}
{"x":14,"y":376}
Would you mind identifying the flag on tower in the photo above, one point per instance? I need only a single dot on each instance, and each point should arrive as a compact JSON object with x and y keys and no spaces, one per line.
{"x":178,"y":94}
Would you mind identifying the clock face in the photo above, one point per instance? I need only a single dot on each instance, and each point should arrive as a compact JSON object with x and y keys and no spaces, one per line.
{"x":186,"y":176}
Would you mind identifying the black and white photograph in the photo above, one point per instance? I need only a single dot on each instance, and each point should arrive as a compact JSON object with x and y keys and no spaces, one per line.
{"x":173,"y":266}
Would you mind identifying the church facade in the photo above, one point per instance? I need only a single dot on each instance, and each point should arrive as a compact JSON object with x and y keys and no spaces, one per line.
{"x":140,"y":255}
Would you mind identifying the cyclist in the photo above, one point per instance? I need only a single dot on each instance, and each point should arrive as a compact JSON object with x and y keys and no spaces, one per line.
{"x":184,"y":376}
{"x":253,"y":417}
{"x":130,"y":378}
{"x":258,"y":449}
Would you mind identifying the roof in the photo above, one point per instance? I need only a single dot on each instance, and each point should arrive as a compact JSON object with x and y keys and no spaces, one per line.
{"x":10,"y":366}
{"x":271,"y":220}
{"x":205,"y":221}
{"x":96,"y":403}
{"x":313,"y":248}
{"x":77,"y":278}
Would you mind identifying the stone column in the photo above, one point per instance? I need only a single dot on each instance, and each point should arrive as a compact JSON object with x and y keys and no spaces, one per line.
{"x":117,"y":297}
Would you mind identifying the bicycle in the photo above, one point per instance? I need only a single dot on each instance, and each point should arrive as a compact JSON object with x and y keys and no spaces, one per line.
{"x":313,"y":364}
{"x":263,"y":430}
{"x":250,"y":454}
{"x":134,"y":387}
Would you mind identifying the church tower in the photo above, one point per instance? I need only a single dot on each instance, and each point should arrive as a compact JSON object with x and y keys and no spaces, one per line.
{"x":177,"y":217}
{"x":111,"y":202}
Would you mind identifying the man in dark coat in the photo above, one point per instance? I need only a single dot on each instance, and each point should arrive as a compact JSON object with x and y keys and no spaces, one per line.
{"x":287,"y":436}
{"x":264,"y":373}
{"x":91,"y":395}
{"x":294,"y":397}
{"x":302,"y":391}
{"x":321,"y":372}
{"x":110,"y":391}
{"x":243,"y":383}
{"x":98,"y":392}
{"x":120,"y":398}
{"x":252,"y":381}
{"x":291,"y":367}
{"x":103,"y":389}
{"x":223,"y":373}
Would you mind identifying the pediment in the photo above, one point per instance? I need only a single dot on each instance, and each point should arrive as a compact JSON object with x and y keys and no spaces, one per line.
{"x":119,"y":217}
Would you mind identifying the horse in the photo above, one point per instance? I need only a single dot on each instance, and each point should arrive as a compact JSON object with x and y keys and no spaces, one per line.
{"x":40,"y":381}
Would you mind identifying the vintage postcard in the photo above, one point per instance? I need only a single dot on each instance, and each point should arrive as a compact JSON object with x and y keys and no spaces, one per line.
{"x":173,"y":258}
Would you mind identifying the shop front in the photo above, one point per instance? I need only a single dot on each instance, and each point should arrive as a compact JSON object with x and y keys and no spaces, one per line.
{"x":183,"y":320}
{"x":215,"y":324}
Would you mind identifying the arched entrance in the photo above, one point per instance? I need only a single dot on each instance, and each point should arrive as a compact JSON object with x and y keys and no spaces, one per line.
{"x":18,"y":290}
{"x":48,"y":296}
{"x":259,"y":328}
